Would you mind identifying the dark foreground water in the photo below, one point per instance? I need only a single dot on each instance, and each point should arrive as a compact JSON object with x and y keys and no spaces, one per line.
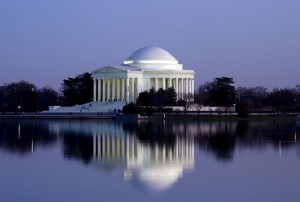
{"x":149,"y":161}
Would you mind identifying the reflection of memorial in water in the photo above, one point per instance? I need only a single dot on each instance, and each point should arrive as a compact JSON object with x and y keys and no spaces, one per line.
{"x":151,"y":154}
{"x":154,"y":166}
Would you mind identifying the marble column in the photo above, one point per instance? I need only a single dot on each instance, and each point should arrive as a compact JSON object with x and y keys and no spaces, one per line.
{"x":127,"y":90}
{"x":123,"y":90}
{"x":176,"y":86}
{"x":193,"y":87}
{"x":136,"y":87}
{"x":94,"y":93}
{"x":113,"y":90}
{"x":148,"y":83}
{"x":189,"y":85}
{"x":118,"y":89}
{"x":187,"y":88}
{"x":103,"y":90}
{"x":108,"y":90}
{"x":170,"y":82}
{"x":164,"y":83}
{"x":132,"y":89}
{"x":181,"y":88}
{"x":156,"y":83}
{"x":99,"y":90}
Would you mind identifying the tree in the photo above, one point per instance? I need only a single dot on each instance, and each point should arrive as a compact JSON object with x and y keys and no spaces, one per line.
{"x":157,"y":98}
{"x":172,"y":96}
{"x":182,"y":103}
{"x":19,"y":96}
{"x":242,"y":110}
{"x":201,"y":97}
{"x":143,"y":99}
{"x":3,"y":101}
{"x":26,"y":97}
{"x":260,"y":93}
{"x":222,"y":92}
{"x":282,"y":100}
{"x":297,"y":92}
{"x":47,"y":97}
{"x":132,"y":108}
{"x":161,"y":97}
{"x":78,"y":90}
{"x":198,"y":102}
{"x":152,"y":97}
{"x":203,"y":94}
{"x":252,"y":97}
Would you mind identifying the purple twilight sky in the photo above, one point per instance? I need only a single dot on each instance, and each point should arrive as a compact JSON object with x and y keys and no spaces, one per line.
{"x":257,"y":42}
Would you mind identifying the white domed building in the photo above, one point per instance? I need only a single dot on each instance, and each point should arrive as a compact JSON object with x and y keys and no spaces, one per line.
{"x":146,"y":68}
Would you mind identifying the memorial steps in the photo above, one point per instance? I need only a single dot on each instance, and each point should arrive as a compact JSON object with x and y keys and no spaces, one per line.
{"x":91,"y":107}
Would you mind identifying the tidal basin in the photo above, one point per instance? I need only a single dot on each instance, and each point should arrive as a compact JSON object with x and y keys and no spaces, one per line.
{"x":140,"y":160}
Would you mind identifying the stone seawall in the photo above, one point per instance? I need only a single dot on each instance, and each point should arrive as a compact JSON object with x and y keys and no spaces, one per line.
{"x":58,"y":116}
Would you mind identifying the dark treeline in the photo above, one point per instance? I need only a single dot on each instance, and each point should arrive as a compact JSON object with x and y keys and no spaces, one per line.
{"x":221,"y":92}
{"x":24,"y":96}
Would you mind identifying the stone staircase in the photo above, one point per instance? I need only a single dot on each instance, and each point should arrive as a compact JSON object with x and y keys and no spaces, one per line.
{"x":91,"y":107}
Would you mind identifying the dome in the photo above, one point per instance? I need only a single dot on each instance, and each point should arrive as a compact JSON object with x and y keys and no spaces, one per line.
{"x":151,"y":53}
{"x":149,"y":58}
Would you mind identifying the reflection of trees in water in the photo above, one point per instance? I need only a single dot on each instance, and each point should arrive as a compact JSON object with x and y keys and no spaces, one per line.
{"x":218,"y":138}
{"x":21,"y":136}
{"x":276,"y":131}
{"x":78,"y":146}
{"x":260,"y":134}
{"x":151,"y":132}
{"x":222,"y":145}
{"x":224,"y":137}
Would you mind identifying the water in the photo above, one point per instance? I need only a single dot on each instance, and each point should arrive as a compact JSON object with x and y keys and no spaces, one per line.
{"x":73,"y":160}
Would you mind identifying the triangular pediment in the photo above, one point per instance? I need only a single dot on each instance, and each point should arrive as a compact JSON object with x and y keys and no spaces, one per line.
{"x":109,"y":69}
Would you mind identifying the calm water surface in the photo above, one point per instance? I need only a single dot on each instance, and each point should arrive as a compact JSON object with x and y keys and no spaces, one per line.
{"x":132,"y":161}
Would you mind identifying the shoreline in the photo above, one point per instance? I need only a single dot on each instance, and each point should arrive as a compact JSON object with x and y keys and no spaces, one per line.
{"x":163,"y":116}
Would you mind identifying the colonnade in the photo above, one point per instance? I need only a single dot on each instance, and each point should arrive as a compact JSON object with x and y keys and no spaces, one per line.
{"x":127,"y":89}
{"x":110,"y":89}
{"x":117,"y":89}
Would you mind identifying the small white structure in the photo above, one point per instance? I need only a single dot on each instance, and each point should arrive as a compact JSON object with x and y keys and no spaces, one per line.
{"x":146,"y":68}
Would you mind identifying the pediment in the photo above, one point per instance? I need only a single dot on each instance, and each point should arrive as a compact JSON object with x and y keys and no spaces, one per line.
{"x":109,"y":69}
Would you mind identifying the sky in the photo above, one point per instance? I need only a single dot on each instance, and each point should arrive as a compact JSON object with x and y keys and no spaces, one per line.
{"x":256,"y":42}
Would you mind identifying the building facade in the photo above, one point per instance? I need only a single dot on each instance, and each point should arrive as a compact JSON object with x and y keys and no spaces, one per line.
{"x":146,"y":68}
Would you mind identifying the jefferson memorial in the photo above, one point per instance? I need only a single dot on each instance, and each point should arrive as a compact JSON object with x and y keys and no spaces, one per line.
{"x":146,"y":68}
